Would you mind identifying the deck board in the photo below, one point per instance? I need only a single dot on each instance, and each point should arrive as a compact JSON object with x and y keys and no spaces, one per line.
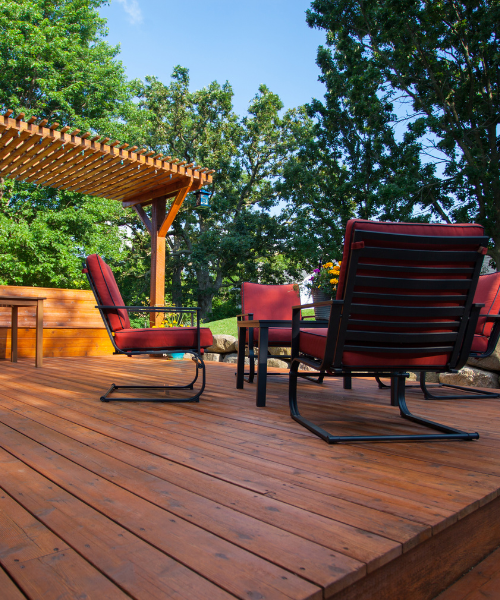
{"x":221,"y":499}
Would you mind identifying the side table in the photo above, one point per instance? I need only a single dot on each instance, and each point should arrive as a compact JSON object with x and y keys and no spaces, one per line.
{"x":15,"y":303}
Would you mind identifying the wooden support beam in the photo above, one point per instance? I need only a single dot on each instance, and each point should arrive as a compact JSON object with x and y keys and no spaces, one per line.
{"x":174,"y":209}
{"x":157,"y":295}
{"x":144,"y":218}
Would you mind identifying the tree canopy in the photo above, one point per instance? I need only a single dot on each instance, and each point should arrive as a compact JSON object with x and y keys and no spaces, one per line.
{"x":237,"y":237}
{"x":412,"y":108}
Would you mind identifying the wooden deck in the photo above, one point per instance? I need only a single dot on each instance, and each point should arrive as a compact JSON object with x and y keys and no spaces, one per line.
{"x":222,"y":500}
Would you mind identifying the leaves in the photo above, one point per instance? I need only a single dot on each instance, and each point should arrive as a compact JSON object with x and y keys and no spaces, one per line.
{"x":412,"y":106}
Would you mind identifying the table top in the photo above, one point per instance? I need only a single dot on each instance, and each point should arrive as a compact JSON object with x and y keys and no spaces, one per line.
{"x":18,"y":301}
{"x":273,"y":323}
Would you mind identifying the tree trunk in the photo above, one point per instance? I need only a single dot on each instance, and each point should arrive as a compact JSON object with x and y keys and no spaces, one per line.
{"x":207,"y":289}
{"x":177,"y":285}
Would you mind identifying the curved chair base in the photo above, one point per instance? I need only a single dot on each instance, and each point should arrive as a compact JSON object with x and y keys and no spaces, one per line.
{"x":472,"y":395}
{"x":200,"y":365}
{"x":397,"y":399}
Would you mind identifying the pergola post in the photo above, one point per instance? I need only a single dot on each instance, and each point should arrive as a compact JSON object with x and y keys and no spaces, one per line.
{"x":157,"y":295}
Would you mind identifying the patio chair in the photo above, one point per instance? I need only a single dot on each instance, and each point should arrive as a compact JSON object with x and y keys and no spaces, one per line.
{"x":485,"y":339}
{"x":404,"y":301}
{"x":154,"y":341}
{"x":267,"y":302}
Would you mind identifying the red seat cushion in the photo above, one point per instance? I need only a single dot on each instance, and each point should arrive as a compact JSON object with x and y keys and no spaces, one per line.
{"x":162,"y":338}
{"x":479,"y":344}
{"x":313,"y":343}
{"x":277,"y":337}
{"x":108,"y":292}
{"x":487,"y":293}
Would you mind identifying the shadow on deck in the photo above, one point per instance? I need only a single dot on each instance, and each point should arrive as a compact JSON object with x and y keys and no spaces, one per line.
{"x":220,"y":499}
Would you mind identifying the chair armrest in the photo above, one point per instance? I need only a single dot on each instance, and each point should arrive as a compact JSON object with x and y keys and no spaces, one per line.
{"x":490,"y":317}
{"x":242,"y":317}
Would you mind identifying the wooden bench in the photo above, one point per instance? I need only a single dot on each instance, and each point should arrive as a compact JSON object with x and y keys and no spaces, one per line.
{"x":71,"y":324}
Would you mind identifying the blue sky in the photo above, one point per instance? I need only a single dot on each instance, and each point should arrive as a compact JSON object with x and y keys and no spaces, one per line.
{"x":245,"y":43}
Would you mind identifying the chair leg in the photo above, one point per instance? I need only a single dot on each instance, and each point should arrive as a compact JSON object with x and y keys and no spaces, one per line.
{"x":381,"y":385}
{"x":471,"y":396}
{"x":200,"y":366}
{"x":251,"y":369}
{"x":397,"y":399}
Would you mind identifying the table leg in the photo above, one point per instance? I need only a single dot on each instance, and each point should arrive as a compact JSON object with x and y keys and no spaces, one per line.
{"x":240,"y":363}
{"x":262,"y":366}
{"x":13,"y":337}
{"x":39,"y":333}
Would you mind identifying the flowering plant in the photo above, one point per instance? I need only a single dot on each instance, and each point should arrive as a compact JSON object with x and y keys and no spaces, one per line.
{"x":325,"y":278}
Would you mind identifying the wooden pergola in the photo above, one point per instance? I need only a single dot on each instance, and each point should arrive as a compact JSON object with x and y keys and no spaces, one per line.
{"x":60,"y":158}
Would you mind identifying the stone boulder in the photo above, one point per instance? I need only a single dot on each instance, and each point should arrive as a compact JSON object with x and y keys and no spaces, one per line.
{"x":280,"y":351}
{"x":275,"y":362}
{"x":430,"y":377}
{"x":211,"y":357}
{"x":223,"y":344}
{"x":471,"y":377}
{"x":492,"y":363}
{"x":271,"y":362}
{"x":233,"y":359}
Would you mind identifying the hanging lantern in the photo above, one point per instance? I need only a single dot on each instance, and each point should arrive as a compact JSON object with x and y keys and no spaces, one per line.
{"x":202,"y":198}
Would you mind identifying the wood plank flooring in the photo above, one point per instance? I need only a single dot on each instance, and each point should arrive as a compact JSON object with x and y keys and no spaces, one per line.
{"x":221,"y":500}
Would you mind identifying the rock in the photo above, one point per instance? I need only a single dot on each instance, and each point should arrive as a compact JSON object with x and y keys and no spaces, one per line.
{"x":491,"y":363}
{"x":211,"y":357}
{"x":307,"y":368}
{"x":271,"y":362}
{"x":471,"y":377}
{"x":278,"y":350}
{"x":233,"y":358}
{"x":223,"y":344}
{"x":275,"y":362}
{"x":430,"y":377}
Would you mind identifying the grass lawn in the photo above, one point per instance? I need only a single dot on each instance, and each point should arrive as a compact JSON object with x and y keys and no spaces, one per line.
{"x":228,"y":326}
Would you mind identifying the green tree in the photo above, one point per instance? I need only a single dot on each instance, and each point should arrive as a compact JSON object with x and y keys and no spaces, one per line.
{"x":56,"y":64}
{"x":237,"y":238}
{"x":412,"y":109}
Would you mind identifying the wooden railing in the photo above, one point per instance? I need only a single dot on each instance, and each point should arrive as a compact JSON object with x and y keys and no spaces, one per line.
{"x":72,"y":326}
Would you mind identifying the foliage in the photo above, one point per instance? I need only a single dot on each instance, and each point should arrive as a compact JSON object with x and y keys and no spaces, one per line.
{"x":44,"y":235}
{"x":237,"y":238}
{"x":54,"y":62}
{"x":436,"y":62}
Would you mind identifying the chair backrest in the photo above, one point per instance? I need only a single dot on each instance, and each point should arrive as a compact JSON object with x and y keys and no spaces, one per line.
{"x":408,"y":290}
{"x":269,"y":301}
{"x":106,"y":292}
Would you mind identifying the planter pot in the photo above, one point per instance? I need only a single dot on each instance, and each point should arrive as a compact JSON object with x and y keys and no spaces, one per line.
{"x":321,"y":312}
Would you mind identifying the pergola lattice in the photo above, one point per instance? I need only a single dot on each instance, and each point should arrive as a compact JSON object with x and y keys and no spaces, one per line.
{"x":59,"y":158}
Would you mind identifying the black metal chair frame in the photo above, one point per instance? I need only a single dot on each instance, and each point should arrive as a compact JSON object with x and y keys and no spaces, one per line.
{"x":473,"y":394}
{"x":340,"y":337}
{"x":251,"y":352}
{"x":200,"y":365}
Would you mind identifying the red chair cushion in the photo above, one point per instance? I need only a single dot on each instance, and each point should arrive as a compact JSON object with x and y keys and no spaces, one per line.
{"x":461,"y":229}
{"x":313,"y":343}
{"x":269,"y":301}
{"x":162,"y":338}
{"x":277,"y":337}
{"x":479,"y":344}
{"x":108,"y":292}
{"x":487,"y":293}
